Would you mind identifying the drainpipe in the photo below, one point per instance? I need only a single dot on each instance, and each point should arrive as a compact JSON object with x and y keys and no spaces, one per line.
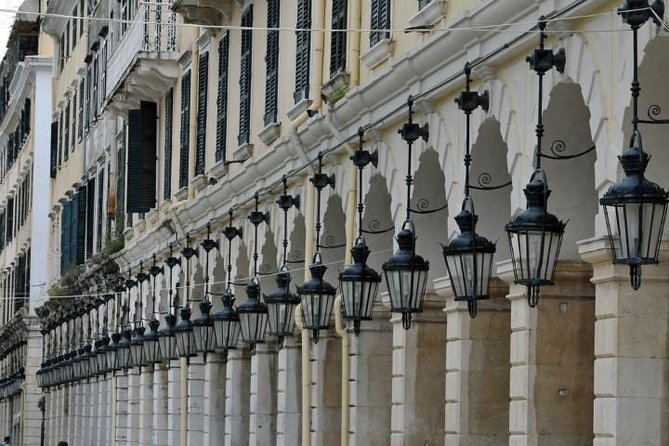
{"x":356,"y":20}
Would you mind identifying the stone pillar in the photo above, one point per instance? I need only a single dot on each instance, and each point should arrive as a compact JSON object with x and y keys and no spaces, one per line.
{"x":370,"y":381}
{"x":93,"y":397}
{"x":74,"y":410}
{"x":67,"y":408}
{"x":122,"y":409}
{"x":32,"y":415}
{"x":631,"y":350}
{"x":263,"y":395}
{"x":160,"y":399}
{"x":237,"y":391}
{"x":418,"y":376}
{"x":48,"y":414}
{"x":134,"y":397}
{"x":326,"y":389}
{"x":477,"y":370}
{"x":289,"y":393}
{"x":174,"y":403}
{"x":146,"y":396}
{"x":214,"y":399}
{"x":196,"y":401}
{"x":102,"y":434}
{"x":551,"y":359}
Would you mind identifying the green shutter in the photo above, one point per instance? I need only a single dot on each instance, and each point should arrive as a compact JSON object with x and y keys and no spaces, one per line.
{"x":272,"y":63}
{"x":65,"y":222}
{"x":303,"y":51}
{"x":203,"y":73}
{"x":380,"y":20}
{"x":90,"y":214}
{"x":222,"y":97}
{"x":167,"y":170}
{"x":338,"y":40}
{"x":74,"y":229}
{"x":54,"y":149}
{"x":81,"y":225}
{"x":141,"y":190}
{"x":100,"y":214}
{"x":245,"y":78}
{"x":185,"y":131}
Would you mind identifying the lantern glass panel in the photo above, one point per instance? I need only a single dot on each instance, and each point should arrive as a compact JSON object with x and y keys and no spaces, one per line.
{"x":470,"y":274}
{"x":534,"y":255}
{"x":636,"y":231}
{"x":185,"y":342}
{"x":168,"y":346}
{"x":227,"y":333}
{"x":359,"y":297}
{"x":317,"y":309}
{"x":253,"y":326}
{"x":406,"y":289}
{"x":281,"y":318}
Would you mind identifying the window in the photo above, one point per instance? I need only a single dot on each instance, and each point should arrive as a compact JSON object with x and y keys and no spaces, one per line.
{"x":272,"y":62}
{"x":303,"y":50}
{"x":423,"y":3}
{"x":185,"y":130}
{"x":141,"y":190}
{"x":203,"y":73}
{"x":338,"y":42}
{"x":167,"y":169}
{"x":90,"y":214}
{"x":100,"y":214}
{"x":245,"y":78}
{"x":66,"y":126}
{"x":80,"y":111}
{"x":380,"y":20}
{"x":222,"y":97}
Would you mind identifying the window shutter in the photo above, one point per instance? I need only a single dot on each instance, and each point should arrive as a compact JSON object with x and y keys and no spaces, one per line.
{"x":272,"y":62}
{"x":380,"y":20}
{"x":74,"y":223}
{"x":81,"y":226}
{"x":10,"y":219}
{"x":80,"y":111}
{"x":100,"y":215}
{"x":203,"y":72}
{"x":141,"y":190}
{"x":54,"y":148}
{"x":65,"y":238}
{"x":167,"y":173}
{"x":338,"y":41}
{"x":245,"y":78}
{"x":66,"y":126}
{"x":185,"y":131}
{"x":222,"y":97}
{"x":2,"y":231}
{"x":90,"y":213}
{"x":27,"y":115}
{"x":423,"y":3}
{"x":303,"y":51}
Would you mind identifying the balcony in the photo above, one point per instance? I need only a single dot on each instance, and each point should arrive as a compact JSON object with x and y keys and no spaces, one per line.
{"x":205,"y":12}
{"x":144,"y":63}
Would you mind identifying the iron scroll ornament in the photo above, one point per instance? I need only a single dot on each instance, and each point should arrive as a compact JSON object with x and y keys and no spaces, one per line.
{"x":654,"y":111}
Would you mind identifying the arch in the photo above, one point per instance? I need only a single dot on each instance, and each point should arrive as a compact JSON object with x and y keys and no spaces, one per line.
{"x":241,"y":264}
{"x":296,"y":243}
{"x":378,"y":217}
{"x":489,"y":169}
{"x":197,"y":287}
{"x":333,"y":239}
{"x":429,"y":195}
{"x":572,"y":182}
{"x":267,"y":266}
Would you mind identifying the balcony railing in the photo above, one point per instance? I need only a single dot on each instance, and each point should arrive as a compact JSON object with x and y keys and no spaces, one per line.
{"x":150,"y":35}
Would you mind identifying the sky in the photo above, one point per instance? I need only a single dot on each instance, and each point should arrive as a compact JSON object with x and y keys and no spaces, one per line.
{"x":6,"y":20}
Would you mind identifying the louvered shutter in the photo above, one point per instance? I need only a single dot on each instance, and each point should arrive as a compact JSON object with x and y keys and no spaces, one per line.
{"x":222,"y":97}
{"x":10,"y":219}
{"x":100,"y":214}
{"x":141,"y":190}
{"x":28,"y":111}
{"x":74,"y":229}
{"x":2,"y":230}
{"x":66,"y":126}
{"x":245,"y":78}
{"x":65,"y":238}
{"x":272,"y":62}
{"x":423,"y":3}
{"x":54,"y":148}
{"x":203,"y":73}
{"x":338,"y":41}
{"x":303,"y":51}
{"x":185,"y":131}
{"x":90,"y":214}
{"x":81,"y":225}
{"x":167,"y":170}
{"x":380,"y":20}
{"x":80,"y":119}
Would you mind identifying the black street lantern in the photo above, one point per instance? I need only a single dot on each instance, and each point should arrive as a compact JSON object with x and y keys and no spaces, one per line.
{"x":281,"y":302}
{"x":184,"y":334}
{"x":112,"y":352}
{"x":635,"y":208}
{"x":359,"y":283}
{"x":316,"y":295}
{"x":101,"y":346}
{"x":167,"y":339}
{"x":253,"y":315}
{"x":151,"y":344}
{"x":535,"y":235}
{"x":469,"y":256}
{"x":406,"y":272}
{"x":123,"y":359}
{"x":203,"y":329}
{"x":226,"y":323}
{"x":137,"y":348}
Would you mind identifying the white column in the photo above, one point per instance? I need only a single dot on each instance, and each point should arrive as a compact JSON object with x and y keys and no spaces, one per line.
{"x":214,"y":400}
{"x":631,"y":375}
{"x":237,"y":390}
{"x":32,"y":416}
{"x":134,"y":397}
{"x":263,"y":394}
{"x":289,"y":389}
{"x":477,"y":370}
{"x":174,"y":404}
{"x":196,"y":401}
{"x":326,"y":389}
{"x":146,"y":396}
{"x":160,"y":398}
{"x":122,"y":409}
{"x":418,"y":377}
{"x":101,"y":422}
{"x":370,"y":381}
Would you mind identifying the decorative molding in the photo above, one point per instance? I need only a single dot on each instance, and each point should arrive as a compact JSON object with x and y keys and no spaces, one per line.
{"x":270,"y":133}
{"x":299,"y":108}
{"x":430,"y":14}
{"x":378,"y":53}
{"x":244,"y":152}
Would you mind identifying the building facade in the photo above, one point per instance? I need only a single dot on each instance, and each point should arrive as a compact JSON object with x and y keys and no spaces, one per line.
{"x":171,"y":122}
